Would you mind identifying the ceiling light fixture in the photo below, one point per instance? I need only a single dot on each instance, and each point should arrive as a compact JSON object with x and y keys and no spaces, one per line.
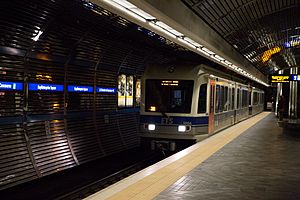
{"x":165,"y":30}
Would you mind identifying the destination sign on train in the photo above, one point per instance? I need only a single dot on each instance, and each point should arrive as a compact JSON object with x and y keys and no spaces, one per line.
{"x":106,"y":90}
{"x":76,"y":88}
{"x":280,"y":79}
{"x":170,"y":83}
{"x":11,"y":86}
{"x":45,"y":87}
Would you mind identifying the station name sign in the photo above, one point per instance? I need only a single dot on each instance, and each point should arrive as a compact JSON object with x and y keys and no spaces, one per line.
{"x":45,"y":87}
{"x":285,"y":78}
{"x":11,"y":86}
{"x":295,"y":77}
{"x":106,"y":90}
{"x":74,"y":88}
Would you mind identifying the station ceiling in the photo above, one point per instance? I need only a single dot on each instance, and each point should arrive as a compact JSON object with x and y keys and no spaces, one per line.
{"x":266,"y":32}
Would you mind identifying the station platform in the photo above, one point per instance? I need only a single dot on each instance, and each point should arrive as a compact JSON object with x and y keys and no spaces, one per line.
{"x":251,"y":160}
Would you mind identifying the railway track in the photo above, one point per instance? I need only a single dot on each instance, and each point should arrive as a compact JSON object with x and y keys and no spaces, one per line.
{"x":93,"y":187}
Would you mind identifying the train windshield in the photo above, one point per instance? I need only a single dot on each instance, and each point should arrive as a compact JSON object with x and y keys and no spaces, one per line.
{"x":172,"y":96}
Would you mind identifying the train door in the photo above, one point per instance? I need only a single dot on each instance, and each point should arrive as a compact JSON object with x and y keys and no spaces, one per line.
{"x":211,"y":117}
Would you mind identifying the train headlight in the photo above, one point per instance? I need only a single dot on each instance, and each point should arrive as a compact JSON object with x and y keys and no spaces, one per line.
{"x":181,"y":128}
{"x":151,"y":127}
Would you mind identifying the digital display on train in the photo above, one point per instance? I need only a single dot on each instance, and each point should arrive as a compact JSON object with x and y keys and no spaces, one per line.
{"x":76,"y":88}
{"x":170,"y":83}
{"x":280,"y":79}
{"x":45,"y":87}
{"x":11,"y":86}
{"x":285,"y":78}
{"x":106,"y":90}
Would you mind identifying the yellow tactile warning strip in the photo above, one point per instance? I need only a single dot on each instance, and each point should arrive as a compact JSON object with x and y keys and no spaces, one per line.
{"x":148,"y":183}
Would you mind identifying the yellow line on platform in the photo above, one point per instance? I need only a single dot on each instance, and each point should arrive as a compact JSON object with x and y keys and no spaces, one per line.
{"x":150,"y":186}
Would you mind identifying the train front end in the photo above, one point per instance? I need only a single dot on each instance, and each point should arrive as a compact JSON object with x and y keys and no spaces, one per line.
{"x":167,"y":118}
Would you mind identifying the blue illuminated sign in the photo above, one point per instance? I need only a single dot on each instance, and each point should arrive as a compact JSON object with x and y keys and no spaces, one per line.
{"x":106,"y":90}
{"x":45,"y":87}
{"x":295,"y":77}
{"x":11,"y":86}
{"x":76,"y":88}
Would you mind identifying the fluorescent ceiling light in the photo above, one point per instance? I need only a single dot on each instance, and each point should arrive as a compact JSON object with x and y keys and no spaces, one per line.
{"x":227,"y":62}
{"x":158,"y":28}
{"x":134,"y":9}
{"x":235,"y":67}
{"x":192,"y":42}
{"x":138,"y":14}
{"x":186,"y":43}
{"x":208,"y":51}
{"x":168,"y":28}
{"x":203,"y":52}
{"x":142,"y":13}
{"x":125,"y":4}
{"x":219,"y":57}
{"x":215,"y":58}
{"x":124,"y":9}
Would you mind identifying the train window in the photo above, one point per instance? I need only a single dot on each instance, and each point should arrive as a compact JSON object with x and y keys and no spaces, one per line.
{"x":177,"y":97}
{"x":222,"y":99}
{"x":218,"y":91}
{"x":250,"y":100}
{"x":229,"y":98}
{"x":247,"y":98}
{"x":222,"y":103}
{"x":173,"y":96}
{"x":238,"y":99}
{"x":255,"y":98}
{"x":232,"y":98}
{"x":226,"y":102}
{"x":202,"y":98}
{"x":244,"y":98}
{"x":260,"y":98}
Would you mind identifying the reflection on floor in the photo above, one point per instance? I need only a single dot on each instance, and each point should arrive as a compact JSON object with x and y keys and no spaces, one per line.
{"x":262,"y":163}
{"x":148,"y":183}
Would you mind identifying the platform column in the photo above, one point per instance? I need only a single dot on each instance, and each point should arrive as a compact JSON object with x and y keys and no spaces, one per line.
{"x":278,"y":93}
{"x":293,"y":95}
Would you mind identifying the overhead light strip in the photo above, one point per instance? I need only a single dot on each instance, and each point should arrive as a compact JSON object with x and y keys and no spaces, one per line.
{"x":178,"y":37}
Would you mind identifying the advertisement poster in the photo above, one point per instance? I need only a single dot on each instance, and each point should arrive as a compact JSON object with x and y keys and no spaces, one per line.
{"x":138,"y":92}
{"x":129,"y":91}
{"x":121,"y":90}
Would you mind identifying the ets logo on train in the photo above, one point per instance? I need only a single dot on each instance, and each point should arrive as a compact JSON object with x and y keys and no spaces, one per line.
{"x":166,"y":120}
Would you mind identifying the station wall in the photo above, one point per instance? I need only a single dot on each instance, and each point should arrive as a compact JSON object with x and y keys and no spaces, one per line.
{"x":64,"y":43}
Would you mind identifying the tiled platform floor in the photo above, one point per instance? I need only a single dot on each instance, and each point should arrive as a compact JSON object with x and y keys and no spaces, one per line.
{"x":262,"y":163}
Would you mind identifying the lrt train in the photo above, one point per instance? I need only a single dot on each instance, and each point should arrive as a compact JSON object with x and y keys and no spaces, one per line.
{"x":183,"y":105}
